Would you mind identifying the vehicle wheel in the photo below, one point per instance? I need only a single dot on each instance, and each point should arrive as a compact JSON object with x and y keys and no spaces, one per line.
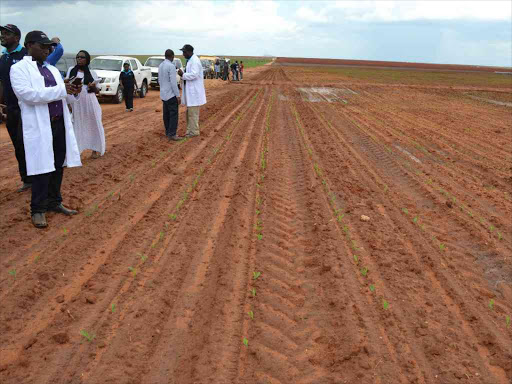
{"x":143,"y":90}
{"x":118,"y":98}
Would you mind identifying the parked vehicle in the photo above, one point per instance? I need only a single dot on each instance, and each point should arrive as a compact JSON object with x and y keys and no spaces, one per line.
{"x":109,"y":68}
{"x":208,"y":71}
{"x":66,"y":61}
{"x":154,"y":61}
{"x":212,"y":60}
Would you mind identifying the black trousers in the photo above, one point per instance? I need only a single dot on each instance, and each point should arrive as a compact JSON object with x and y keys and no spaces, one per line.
{"x":170,"y":109}
{"x":46,"y":187}
{"x":128,"y":97}
{"x":15,"y":129}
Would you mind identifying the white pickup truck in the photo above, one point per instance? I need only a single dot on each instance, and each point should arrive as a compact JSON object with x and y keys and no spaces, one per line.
{"x":109,"y":68}
{"x":154,"y":62}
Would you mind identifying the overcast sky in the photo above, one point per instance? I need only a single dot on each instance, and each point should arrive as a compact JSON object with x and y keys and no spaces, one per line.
{"x":458,"y":32}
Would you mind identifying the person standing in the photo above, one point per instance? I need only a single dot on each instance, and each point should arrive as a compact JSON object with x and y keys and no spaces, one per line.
{"x":217,"y":69}
{"x":194,"y":94}
{"x":170,"y":95}
{"x":233,"y":71}
{"x":128,"y":84}
{"x":237,"y":70}
{"x":241,"y":70}
{"x":12,"y":53}
{"x":48,"y":134}
{"x":87,"y":114}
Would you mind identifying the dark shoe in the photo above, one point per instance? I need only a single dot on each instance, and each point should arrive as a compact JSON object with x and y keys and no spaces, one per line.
{"x":62,"y":209}
{"x":39,"y":220}
{"x":175,"y":138}
{"x":24,"y":187}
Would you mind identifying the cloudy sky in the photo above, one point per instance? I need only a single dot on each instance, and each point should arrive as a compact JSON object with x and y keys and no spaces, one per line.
{"x":459,"y":32}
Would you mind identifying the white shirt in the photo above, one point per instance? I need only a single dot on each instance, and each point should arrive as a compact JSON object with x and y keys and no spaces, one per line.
{"x":167,"y":80}
{"x":193,"y":91}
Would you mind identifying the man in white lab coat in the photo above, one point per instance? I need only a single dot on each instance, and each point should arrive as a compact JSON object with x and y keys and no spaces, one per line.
{"x":48,"y":135}
{"x":194,"y":94}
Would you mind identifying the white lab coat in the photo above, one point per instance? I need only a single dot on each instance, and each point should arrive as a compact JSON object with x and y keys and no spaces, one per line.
{"x":33,"y":98}
{"x":193,"y":92}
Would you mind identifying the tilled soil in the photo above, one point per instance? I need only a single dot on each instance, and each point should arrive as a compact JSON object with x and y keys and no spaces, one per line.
{"x":243,"y":256}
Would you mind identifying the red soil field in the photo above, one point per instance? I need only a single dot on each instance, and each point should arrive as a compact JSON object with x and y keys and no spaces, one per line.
{"x":243,"y":256}
{"x":390,"y":64}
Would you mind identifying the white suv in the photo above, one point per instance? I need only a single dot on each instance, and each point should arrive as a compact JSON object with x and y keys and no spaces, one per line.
{"x":109,"y":68}
{"x":154,"y":61}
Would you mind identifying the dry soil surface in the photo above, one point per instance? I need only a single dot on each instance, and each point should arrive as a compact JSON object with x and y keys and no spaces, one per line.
{"x":242,"y":256}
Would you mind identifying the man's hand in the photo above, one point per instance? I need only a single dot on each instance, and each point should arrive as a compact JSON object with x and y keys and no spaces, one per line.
{"x":56,"y":40}
{"x":180,"y":72}
{"x":72,"y":89}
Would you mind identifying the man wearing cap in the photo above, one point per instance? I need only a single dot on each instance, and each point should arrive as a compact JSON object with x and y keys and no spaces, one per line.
{"x":48,"y":135}
{"x":12,"y":53}
{"x":194,"y":94}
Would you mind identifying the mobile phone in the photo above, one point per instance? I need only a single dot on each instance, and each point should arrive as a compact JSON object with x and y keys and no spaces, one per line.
{"x":77,"y":81}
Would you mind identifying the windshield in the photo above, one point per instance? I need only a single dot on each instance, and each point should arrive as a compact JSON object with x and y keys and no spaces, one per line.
{"x":106,"y":64}
{"x":153,"y":62}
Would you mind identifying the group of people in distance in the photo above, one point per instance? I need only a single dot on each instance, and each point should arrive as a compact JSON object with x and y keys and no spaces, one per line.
{"x":52,"y":120}
{"x":222,"y":70}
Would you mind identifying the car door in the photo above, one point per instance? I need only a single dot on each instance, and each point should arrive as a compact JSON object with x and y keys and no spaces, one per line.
{"x":137,"y":72}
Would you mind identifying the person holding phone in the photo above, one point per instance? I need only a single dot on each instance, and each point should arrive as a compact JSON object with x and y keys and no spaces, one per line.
{"x":87,"y":114}
{"x":128,"y":84}
{"x":48,"y":135}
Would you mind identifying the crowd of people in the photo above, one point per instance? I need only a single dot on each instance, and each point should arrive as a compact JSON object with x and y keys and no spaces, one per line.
{"x":51,"y":120}
{"x":222,"y":70}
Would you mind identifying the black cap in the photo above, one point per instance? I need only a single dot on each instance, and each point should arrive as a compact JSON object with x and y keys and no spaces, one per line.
{"x":38,"y":37}
{"x":188,"y":48}
{"x":11,"y":28}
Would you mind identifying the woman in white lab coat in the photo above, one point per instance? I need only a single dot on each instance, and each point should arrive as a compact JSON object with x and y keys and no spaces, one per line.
{"x":87,"y":123}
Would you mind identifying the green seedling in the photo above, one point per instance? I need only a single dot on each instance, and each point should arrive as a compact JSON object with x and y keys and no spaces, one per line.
{"x":111,"y":194}
{"x":161,"y":235}
{"x":415,"y":220}
{"x":133,"y":271}
{"x":405,"y":211}
{"x":345,"y":228}
{"x":253,"y":291}
{"x":65,"y":231}
{"x":37,"y":258}
{"x":499,"y":236}
{"x":113,"y":308}
{"x":340,"y":217}
{"x":385,"y":304}
{"x":364,"y":271}
{"x":258,"y":212}
{"x":251,"y":314}
{"x":507,"y":320}
{"x":255,"y":275}
{"x":86,"y":335}
{"x":356,"y":259}
{"x":491,"y":304}
{"x":246,"y":342}
{"x":173,"y":216}
{"x":259,"y":236}
{"x":372,"y":288}
{"x":258,"y":185}
{"x":132,"y":177}
{"x":491,"y":228}
{"x":143,"y":257}
{"x":12,"y":272}
{"x":442,"y":246}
